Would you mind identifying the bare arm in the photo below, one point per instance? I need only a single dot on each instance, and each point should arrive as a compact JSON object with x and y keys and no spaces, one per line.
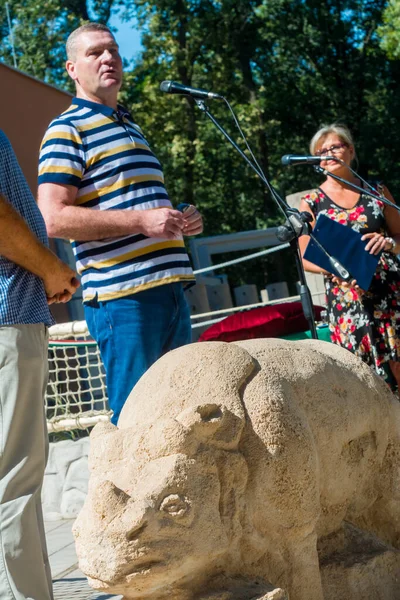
{"x":65,"y":220}
{"x":377,"y":242}
{"x":20,"y":245}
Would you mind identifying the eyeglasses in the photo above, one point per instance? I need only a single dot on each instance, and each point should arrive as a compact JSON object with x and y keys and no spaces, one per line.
{"x":335,"y":149}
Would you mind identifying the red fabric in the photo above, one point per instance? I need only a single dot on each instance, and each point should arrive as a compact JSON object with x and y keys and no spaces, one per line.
{"x":267,"y":321}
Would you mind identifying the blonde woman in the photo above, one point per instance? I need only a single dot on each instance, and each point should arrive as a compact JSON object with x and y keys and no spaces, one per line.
{"x":366,"y":322}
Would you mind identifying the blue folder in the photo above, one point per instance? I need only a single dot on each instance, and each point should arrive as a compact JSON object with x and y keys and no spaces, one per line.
{"x":345,"y":244}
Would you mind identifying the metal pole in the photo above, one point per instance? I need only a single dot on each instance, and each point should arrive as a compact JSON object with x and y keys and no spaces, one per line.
{"x":305,"y":295}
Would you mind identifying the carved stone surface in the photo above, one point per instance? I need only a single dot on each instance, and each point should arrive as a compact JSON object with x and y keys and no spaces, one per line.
{"x":238,"y":468}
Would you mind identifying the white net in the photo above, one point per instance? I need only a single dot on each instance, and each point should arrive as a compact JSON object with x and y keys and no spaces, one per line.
{"x":76,"y":396}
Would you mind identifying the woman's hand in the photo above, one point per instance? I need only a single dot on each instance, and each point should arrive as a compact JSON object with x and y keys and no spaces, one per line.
{"x":345,"y":284}
{"x":377,"y":243}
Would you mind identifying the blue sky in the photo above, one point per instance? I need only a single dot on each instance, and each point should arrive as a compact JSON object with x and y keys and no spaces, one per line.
{"x":127,"y":36}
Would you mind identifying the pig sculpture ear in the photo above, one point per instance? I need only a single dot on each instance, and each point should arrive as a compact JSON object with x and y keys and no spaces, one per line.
{"x":103,"y":440}
{"x":214,"y":424}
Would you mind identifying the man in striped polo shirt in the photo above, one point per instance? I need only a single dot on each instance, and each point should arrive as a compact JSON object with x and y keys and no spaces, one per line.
{"x":101,"y":186}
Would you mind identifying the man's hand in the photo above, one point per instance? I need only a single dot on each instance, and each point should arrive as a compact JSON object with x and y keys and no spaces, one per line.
{"x":193,"y":224}
{"x":161,"y":223}
{"x":60,"y":283}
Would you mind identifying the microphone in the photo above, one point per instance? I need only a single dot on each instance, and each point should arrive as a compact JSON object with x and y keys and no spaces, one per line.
{"x":173,"y":87}
{"x":337,"y":266}
{"x":294,"y":159}
{"x":343,"y":272}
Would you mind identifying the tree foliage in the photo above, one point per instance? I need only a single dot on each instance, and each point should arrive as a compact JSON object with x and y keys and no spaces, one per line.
{"x":390,"y":29}
{"x":286,"y":66}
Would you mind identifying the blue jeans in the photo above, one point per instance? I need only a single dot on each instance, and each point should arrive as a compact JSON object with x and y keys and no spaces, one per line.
{"x":133,"y":332}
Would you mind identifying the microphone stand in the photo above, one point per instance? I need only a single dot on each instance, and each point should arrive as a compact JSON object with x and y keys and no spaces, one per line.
{"x":295,"y":224}
{"x":353,"y":186}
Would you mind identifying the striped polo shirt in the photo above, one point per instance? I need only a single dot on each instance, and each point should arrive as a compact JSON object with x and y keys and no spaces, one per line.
{"x":105,"y":155}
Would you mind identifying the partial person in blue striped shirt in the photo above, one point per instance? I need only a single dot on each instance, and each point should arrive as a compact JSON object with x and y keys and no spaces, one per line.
{"x":31,"y":278}
{"x":101,"y":186}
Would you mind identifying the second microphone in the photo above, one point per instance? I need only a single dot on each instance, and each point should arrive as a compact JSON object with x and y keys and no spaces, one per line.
{"x":295,"y":159}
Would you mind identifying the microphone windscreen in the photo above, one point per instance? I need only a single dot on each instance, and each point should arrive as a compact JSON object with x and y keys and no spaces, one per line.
{"x":165,"y":86}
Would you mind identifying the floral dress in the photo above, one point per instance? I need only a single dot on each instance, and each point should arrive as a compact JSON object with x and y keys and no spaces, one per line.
{"x":366,"y":322}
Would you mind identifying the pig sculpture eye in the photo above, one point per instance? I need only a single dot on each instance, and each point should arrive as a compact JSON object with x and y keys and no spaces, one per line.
{"x":175,"y":505}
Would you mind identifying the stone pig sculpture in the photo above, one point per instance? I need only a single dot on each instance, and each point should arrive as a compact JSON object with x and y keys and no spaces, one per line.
{"x":229,"y":464}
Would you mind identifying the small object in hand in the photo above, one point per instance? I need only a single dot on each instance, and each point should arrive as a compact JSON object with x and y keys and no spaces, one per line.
{"x":390,"y":240}
{"x":183,"y":206}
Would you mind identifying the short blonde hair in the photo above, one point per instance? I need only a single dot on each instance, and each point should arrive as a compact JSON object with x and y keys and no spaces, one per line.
{"x":73,"y":37}
{"x":339,"y":129}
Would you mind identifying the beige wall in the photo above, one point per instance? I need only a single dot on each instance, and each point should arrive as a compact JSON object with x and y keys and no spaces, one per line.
{"x":27,"y":106}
